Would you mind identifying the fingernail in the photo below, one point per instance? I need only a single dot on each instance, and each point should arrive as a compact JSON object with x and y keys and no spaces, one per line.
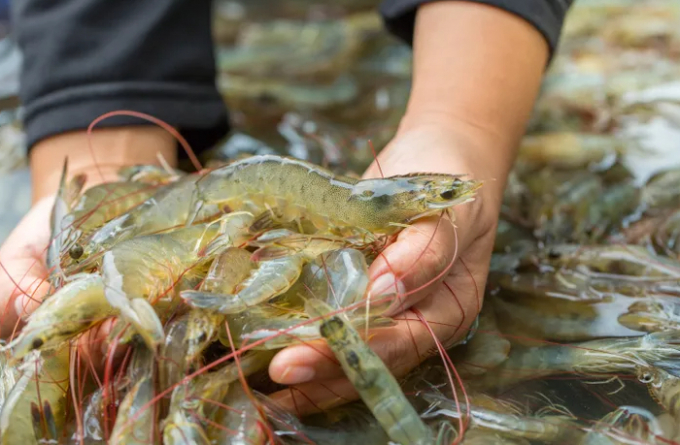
{"x":386,"y":284}
{"x":297,"y":374}
{"x":383,"y":286}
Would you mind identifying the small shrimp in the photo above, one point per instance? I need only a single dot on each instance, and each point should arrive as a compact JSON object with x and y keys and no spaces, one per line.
{"x":487,"y":348}
{"x":621,"y":262}
{"x":652,"y":315}
{"x":664,"y":388}
{"x":97,"y":206}
{"x":297,"y":189}
{"x":149,"y":174}
{"x":625,"y":425}
{"x":240,"y":424}
{"x":191,"y":405}
{"x":591,"y":358}
{"x":8,"y":378}
{"x":35,"y":409}
{"x":339,"y":277}
{"x":270,"y":279}
{"x":167,"y":209}
{"x":373,"y":381}
{"x":60,"y":209}
{"x":73,"y":309}
{"x":264,"y":324}
{"x":548,"y":429}
{"x":139,"y":431}
{"x":226,"y":272}
{"x":140,"y":274}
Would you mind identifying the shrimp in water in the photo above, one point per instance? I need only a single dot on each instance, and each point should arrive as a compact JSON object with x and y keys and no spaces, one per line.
{"x":372,"y":379}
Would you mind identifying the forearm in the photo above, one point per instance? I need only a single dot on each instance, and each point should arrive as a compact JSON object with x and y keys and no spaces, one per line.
{"x":111,"y":149}
{"x":477,"y":70}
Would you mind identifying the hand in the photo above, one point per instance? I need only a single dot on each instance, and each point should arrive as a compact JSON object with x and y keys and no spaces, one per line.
{"x":419,"y":264}
{"x":23,"y":272}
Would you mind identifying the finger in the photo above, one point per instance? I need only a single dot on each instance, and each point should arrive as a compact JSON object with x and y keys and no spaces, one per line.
{"x":309,"y":398}
{"x":401,"y":347}
{"x":415,"y":264}
{"x":23,"y":285}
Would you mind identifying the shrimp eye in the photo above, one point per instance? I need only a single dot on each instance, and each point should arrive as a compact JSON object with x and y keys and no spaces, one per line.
{"x":76,"y":251}
{"x":447,"y":195}
{"x":353,"y":359}
{"x":646,"y":377}
{"x":37,"y":343}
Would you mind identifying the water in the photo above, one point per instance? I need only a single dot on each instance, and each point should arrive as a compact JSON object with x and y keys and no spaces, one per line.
{"x":325,"y":108}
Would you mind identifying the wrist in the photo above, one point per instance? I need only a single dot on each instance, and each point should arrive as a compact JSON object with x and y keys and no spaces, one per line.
{"x":99,"y":155}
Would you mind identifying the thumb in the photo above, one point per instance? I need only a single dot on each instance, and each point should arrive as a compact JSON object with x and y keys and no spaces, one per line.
{"x":413,"y":266}
{"x":401,"y":347}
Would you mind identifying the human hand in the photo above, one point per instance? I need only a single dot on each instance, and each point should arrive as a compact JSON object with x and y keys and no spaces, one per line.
{"x":23,"y":273}
{"x":419,"y":265}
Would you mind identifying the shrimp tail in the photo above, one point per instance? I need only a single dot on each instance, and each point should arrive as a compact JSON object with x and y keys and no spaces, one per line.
{"x":270,"y":253}
{"x":206,"y":300}
{"x":143,"y":318}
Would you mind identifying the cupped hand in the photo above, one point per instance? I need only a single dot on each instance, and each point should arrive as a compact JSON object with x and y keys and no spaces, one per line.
{"x":438,"y":272}
{"x":23,"y":273}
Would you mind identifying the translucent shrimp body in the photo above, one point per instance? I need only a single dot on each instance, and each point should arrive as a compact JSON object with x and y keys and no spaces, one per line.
{"x":299,"y":189}
{"x":70,"y":311}
{"x":376,"y":385}
{"x":140,"y":274}
{"x":35,"y":409}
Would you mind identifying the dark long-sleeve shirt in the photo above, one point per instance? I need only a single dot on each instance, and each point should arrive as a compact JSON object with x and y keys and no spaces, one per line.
{"x":83,"y":58}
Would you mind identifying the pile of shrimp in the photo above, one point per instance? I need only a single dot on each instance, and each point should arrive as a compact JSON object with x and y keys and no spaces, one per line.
{"x":191,"y":283}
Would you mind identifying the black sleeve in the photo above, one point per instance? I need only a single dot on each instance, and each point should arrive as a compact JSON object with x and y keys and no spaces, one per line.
{"x":83,"y":58}
{"x":546,"y":16}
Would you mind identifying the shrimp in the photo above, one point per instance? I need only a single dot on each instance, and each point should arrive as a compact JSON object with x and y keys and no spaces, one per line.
{"x":140,"y":274}
{"x":652,"y":315}
{"x":8,"y":378}
{"x":339,"y":277}
{"x":240,"y":424}
{"x":619,"y":262}
{"x":97,"y":206}
{"x":625,"y":425}
{"x":376,"y":385}
{"x":344,"y":205}
{"x":167,"y":209}
{"x":35,"y":409}
{"x":149,"y":174}
{"x":346,"y":425}
{"x":591,"y":358}
{"x":548,"y":429}
{"x":135,"y":424}
{"x":664,"y":388}
{"x":226,"y":272}
{"x":73,"y":309}
{"x":271,"y":278}
{"x":191,"y":402}
{"x":62,"y":204}
{"x":264,"y":324}
{"x":487,"y":348}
